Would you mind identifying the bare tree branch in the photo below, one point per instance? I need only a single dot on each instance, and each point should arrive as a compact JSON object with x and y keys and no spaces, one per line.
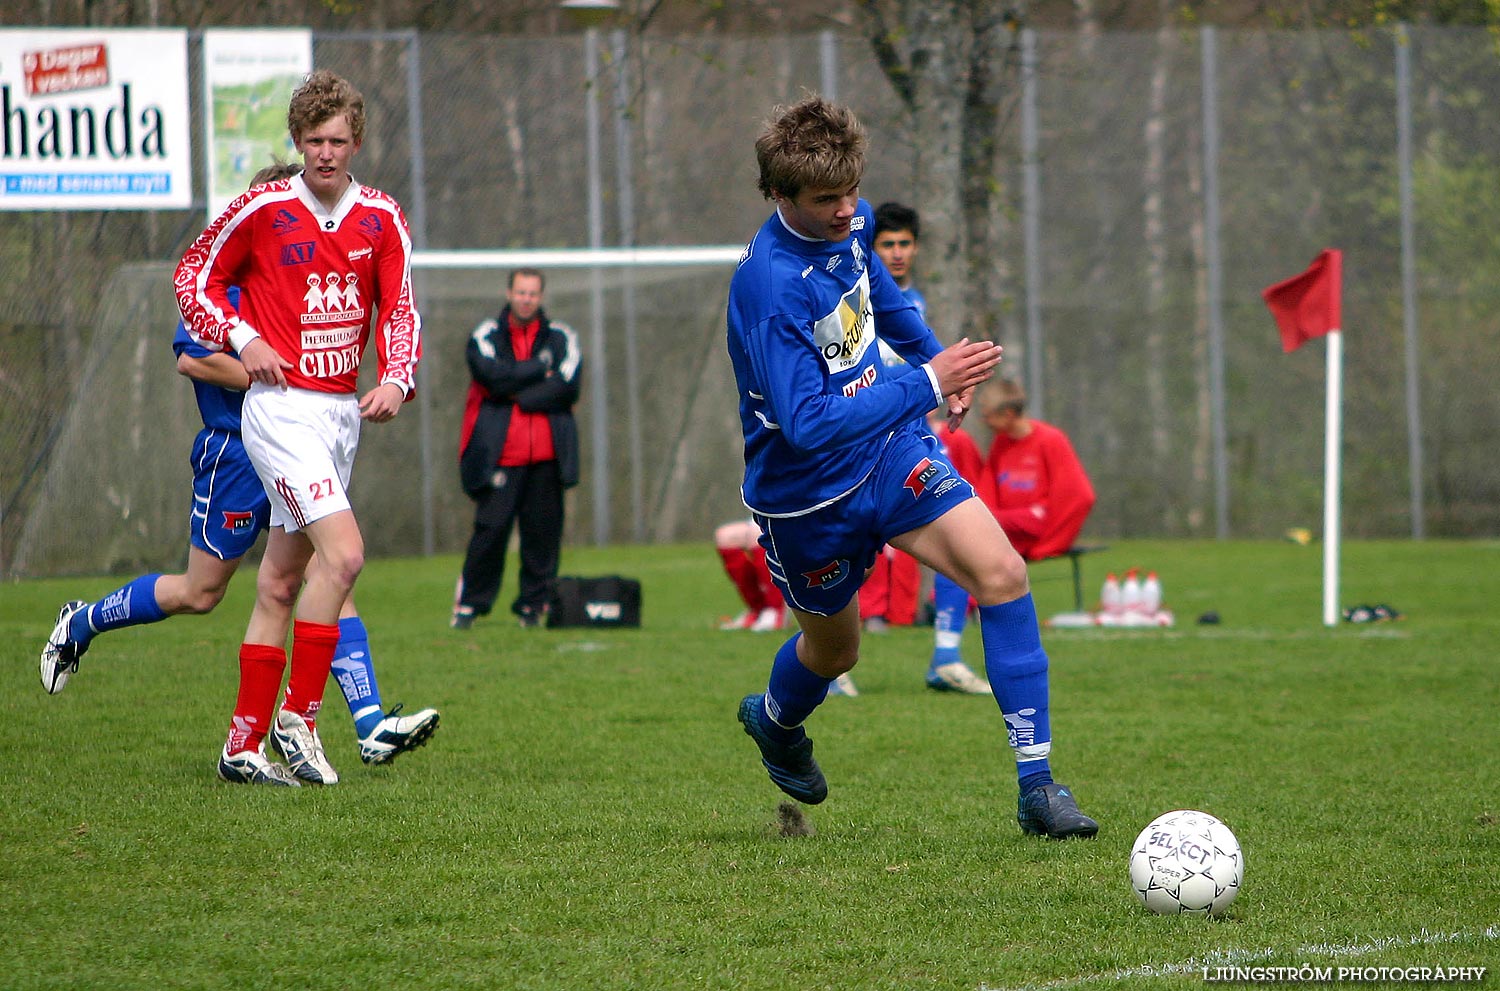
{"x":883,"y":36}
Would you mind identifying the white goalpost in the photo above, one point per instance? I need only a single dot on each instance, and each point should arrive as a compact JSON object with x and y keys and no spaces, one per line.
{"x":589,"y":272}
{"x":663,"y":466}
{"x":545,"y":258}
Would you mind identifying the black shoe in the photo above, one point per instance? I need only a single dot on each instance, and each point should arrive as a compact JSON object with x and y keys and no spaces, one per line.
{"x":790,"y":765}
{"x":463,"y":618}
{"x":530,"y":616}
{"x":1051,"y":811}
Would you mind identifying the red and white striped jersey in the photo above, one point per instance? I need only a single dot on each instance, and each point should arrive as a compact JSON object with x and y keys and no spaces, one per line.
{"x":312,"y":281}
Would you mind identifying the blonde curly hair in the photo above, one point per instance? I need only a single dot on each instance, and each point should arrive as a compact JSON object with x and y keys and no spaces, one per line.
{"x":322,"y":96}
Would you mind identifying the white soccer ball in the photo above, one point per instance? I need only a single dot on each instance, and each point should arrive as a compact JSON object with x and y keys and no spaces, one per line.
{"x":1186,"y":862}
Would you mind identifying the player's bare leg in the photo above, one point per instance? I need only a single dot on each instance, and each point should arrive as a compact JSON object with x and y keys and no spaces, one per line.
{"x":829,"y":645}
{"x":147,"y":599}
{"x":968,"y":546}
{"x":341,"y":556}
{"x":200,"y":588}
{"x":277,"y":585}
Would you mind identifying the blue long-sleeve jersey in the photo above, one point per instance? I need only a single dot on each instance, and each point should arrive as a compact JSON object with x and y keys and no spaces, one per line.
{"x":816,"y":404}
{"x":219,"y":407}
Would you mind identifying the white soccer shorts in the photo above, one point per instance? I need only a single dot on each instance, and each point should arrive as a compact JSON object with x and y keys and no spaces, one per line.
{"x":302,"y":444}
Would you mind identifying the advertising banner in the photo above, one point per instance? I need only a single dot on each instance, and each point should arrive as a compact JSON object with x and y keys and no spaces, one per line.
{"x":248,"y":77}
{"x":94,"y":119}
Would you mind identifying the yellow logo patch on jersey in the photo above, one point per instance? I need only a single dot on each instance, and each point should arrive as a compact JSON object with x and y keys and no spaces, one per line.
{"x":843,"y":336}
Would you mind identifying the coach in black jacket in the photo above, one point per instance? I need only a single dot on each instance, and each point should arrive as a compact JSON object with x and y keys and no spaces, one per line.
{"x":518,"y":449}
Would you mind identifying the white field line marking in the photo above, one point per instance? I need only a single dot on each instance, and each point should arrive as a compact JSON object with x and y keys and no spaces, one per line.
{"x":1229,"y":958}
{"x":1387,"y":631}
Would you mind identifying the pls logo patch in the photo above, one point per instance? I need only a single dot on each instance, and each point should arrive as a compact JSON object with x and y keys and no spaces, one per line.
{"x":236,"y":521}
{"x":828,"y":575}
{"x":921,"y":477}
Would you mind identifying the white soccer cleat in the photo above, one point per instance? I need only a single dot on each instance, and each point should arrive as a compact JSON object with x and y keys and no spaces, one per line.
{"x":843,"y":685}
{"x":396,"y":734}
{"x":299,"y":746}
{"x":770,"y":619}
{"x":956,"y":677}
{"x":741,"y":622}
{"x":250,"y":767}
{"x":61,"y":652}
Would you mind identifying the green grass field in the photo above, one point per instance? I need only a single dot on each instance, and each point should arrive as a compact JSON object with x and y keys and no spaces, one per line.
{"x":590,"y":815}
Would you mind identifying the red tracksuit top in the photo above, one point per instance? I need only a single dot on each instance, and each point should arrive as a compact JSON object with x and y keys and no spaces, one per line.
{"x":1042,"y":494}
{"x":529,"y":439}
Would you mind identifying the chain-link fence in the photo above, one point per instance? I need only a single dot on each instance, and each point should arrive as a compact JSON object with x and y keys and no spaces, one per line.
{"x":1147,"y":217}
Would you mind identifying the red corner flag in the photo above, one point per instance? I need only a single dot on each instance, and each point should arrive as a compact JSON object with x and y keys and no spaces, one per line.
{"x":1311,"y":304}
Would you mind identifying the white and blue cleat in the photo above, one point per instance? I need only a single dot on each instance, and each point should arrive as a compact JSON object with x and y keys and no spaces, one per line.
{"x":61,"y":652}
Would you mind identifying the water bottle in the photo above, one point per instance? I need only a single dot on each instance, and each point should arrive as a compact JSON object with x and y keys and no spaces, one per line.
{"x":1130,"y":593}
{"x":1151,"y":594}
{"x":1109,"y":595}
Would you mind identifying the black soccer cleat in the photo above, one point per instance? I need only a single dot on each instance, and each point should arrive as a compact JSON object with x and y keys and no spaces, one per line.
{"x":1051,"y":811}
{"x":791,"y":765}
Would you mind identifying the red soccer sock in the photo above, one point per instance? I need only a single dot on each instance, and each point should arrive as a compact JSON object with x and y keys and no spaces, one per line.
{"x":740,"y":569}
{"x":261,"y":666}
{"x":875,"y":593}
{"x":770,"y":595}
{"x":313,"y":645}
{"x":905,"y":583}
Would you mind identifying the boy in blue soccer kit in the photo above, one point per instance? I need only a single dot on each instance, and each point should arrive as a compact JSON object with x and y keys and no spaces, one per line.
{"x":230,"y":511}
{"x":838,"y":459}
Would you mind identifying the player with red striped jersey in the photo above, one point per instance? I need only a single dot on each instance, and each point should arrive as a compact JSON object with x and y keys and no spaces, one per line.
{"x":320,"y":258}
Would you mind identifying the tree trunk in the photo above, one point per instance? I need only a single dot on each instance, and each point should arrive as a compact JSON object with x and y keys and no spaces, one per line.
{"x":947,"y":61}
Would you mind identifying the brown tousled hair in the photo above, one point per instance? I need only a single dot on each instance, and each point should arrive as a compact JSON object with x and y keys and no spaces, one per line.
{"x":812,"y":144}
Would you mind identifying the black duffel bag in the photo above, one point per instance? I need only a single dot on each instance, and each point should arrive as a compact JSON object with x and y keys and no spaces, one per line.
{"x":607,"y":600}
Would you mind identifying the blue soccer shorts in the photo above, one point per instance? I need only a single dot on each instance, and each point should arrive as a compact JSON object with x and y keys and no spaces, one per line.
{"x":819,"y":560}
{"x":230,"y":508}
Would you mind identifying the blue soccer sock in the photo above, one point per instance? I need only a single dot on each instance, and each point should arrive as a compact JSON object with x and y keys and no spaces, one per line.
{"x":951,"y":605}
{"x":355,"y":671}
{"x":132,"y":604}
{"x":1017,"y":669}
{"x":794,"y":692}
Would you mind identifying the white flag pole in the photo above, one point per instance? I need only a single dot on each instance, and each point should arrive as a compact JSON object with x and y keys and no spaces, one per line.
{"x":1331,"y":471}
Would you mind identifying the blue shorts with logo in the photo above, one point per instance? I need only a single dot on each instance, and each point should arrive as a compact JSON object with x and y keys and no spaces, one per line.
{"x":230,"y":508}
{"x":819,"y":560}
